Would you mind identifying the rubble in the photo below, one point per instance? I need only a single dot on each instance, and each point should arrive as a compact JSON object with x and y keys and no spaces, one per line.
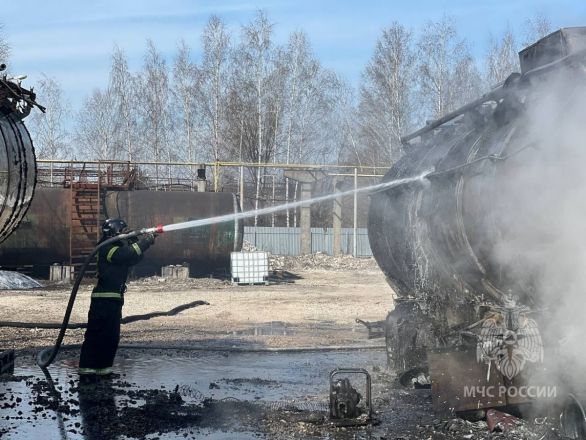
{"x":316,"y":261}
{"x":163,"y":284}
{"x":321,"y":261}
{"x":247,"y":246}
{"x":500,"y":421}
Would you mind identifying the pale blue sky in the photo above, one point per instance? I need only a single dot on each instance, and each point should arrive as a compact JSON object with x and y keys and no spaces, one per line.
{"x":72,"y":40}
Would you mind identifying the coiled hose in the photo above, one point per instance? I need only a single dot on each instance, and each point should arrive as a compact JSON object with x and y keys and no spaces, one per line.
{"x":46,"y":356}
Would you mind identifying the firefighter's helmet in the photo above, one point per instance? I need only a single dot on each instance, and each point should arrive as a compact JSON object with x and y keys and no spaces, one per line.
{"x":113,"y":227}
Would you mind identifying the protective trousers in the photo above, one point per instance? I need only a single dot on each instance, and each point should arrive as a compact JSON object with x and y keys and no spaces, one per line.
{"x":102,"y":334}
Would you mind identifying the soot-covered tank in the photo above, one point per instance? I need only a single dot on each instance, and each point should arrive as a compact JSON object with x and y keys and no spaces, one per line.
{"x":17,"y":156}
{"x":499,"y":218}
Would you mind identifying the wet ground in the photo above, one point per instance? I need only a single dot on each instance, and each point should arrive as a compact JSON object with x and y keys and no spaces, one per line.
{"x":176,"y":395}
{"x":221,"y":395}
{"x":220,"y":389}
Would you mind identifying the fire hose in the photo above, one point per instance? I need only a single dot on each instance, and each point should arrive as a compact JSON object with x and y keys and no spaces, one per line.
{"x":125,"y":320}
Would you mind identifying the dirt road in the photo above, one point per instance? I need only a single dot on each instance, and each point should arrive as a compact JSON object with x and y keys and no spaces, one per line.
{"x":319,"y":308}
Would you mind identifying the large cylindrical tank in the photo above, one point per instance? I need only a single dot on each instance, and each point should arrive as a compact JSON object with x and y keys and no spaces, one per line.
{"x":490,"y":167}
{"x":43,"y":238}
{"x":500,"y":214}
{"x":17,"y":172}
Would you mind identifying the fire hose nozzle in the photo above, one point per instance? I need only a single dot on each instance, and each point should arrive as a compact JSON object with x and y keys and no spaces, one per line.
{"x":159,"y":229}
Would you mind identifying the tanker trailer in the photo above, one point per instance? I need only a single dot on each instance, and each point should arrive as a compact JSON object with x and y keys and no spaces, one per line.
{"x":17,"y":157}
{"x":489,"y":252}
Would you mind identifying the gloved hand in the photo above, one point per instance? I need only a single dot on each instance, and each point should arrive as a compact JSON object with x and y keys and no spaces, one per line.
{"x":149,"y":238}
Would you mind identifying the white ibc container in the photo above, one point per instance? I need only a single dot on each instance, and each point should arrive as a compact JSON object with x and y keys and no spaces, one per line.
{"x":249,"y":267}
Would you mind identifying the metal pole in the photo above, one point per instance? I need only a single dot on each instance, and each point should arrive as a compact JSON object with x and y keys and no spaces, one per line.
{"x":241,"y":188}
{"x":273,"y":218}
{"x":216,"y":170}
{"x":337,"y":221}
{"x":355,"y":227}
{"x":169,"y":176}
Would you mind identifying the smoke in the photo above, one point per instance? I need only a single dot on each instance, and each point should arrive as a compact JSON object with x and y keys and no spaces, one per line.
{"x":540,"y":209}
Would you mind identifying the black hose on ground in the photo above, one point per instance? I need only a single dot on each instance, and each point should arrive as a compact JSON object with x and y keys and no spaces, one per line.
{"x":47,"y":355}
{"x":125,"y":320}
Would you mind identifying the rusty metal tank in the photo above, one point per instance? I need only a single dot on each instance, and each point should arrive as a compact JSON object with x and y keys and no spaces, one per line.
{"x":442,"y":242}
{"x":44,"y":237}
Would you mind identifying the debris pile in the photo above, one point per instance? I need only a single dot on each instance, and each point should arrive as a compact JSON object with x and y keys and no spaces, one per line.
{"x":317,"y":261}
{"x":16,"y":281}
{"x":162,"y":284}
{"x":321,"y":261}
{"x":247,"y":246}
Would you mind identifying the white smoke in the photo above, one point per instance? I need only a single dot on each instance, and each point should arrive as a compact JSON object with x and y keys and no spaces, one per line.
{"x":541,"y":207}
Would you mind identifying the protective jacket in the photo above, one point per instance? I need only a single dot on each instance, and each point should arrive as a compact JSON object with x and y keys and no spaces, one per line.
{"x":114,"y":261}
{"x":102,"y":335}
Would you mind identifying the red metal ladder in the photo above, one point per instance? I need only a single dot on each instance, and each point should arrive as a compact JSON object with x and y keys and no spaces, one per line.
{"x":86,"y":221}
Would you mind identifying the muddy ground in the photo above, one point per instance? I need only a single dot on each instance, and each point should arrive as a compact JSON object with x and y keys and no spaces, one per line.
{"x":313,"y":308}
{"x":306,"y":308}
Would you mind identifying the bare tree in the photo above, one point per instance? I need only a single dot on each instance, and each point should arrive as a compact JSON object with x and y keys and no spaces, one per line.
{"x":4,"y":46}
{"x":49,"y":129}
{"x":346,"y":117}
{"x":186,"y":84}
{"x":465,"y":80}
{"x":501,"y":59}
{"x":123,"y":86}
{"x":447,"y":74}
{"x":216,"y":45}
{"x":255,"y":58}
{"x":96,"y":127}
{"x":386,"y":94}
{"x":155,"y":117}
{"x":536,"y":27}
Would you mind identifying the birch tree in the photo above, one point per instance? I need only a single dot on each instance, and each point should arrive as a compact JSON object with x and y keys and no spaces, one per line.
{"x":501,"y":59}
{"x":48,"y":129}
{"x":123,"y":87}
{"x":4,"y":46}
{"x":186,"y":84}
{"x":256,"y":61}
{"x":447,"y":74}
{"x":216,"y":47}
{"x":465,"y":79}
{"x":386,"y":94}
{"x":536,"y":27}
{"x":155,"y":117}
{"x":96,"y":127}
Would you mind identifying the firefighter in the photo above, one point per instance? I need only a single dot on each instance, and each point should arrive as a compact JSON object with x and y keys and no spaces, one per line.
{"x":103,"y":328}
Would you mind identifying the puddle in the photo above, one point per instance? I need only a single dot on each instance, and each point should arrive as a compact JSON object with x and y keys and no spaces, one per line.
{"x":221,"y":395}
{"x":274,"y":328}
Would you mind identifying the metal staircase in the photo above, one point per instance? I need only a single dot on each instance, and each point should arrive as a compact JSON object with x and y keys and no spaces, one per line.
{"x":86,"y":221}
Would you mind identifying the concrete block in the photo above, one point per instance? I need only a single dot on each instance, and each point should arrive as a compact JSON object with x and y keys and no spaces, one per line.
{"x":178,"y":271}
{"x":59,"y":272}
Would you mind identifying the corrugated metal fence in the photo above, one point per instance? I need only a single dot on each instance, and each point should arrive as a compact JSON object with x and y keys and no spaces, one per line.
{"x":286,"y":241}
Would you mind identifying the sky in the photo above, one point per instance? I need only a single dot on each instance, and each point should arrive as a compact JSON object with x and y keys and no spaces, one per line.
{"x":72,"y":40}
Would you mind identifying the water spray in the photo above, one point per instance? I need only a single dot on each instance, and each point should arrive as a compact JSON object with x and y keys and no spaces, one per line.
{"x":263,"y":211}
{"x":46,"y":356}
